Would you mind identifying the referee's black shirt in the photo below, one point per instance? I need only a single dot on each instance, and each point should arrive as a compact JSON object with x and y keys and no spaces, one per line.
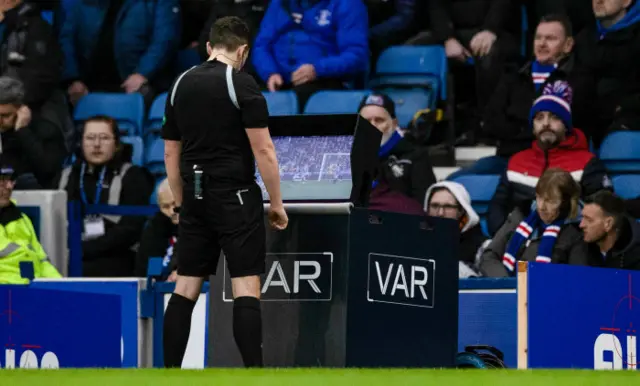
{"x":201,"y":114}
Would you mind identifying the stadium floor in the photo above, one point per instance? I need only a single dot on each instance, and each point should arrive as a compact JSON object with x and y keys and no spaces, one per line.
{"x":313,"y":377}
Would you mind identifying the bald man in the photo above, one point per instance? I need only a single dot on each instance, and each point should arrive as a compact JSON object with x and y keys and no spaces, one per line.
{"x":159,"y":237}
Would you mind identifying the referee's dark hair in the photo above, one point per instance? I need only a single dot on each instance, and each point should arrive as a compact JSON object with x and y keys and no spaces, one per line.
{"x":229,"y":32}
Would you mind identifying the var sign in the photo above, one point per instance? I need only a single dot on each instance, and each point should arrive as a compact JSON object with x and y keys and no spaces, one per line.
{"x":401,"y":280}
{"x":293,"y":277}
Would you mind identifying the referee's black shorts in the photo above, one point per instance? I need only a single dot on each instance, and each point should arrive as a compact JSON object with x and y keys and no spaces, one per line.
{"x":227,"y":219}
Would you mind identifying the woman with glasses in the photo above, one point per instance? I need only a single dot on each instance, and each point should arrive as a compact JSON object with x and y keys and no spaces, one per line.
{"x":102,"y":174}
{"x":546,"y":232}
{"x":449,"y":199}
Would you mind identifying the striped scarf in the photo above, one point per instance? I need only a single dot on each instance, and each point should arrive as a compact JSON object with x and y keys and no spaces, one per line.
{"x":540,"y":73}
{"x":522,"y":234}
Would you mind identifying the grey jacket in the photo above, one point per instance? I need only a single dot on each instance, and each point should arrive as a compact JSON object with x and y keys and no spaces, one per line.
{"x":569,"y":248}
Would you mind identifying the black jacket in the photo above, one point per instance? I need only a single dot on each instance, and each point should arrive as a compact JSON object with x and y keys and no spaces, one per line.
{"x":612,"y":62}
{"x":625,"y":254}
{"x":112,"y":254}
{"x":470,"y":242}
{"x":506,"y":116}
{"x":38,"y":148}
{"x":156,"y":242}
{"x":449,"y":16}
{"x":30,"y":52}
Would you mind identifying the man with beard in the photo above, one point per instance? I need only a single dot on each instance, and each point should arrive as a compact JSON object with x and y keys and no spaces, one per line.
{"x":558,"y":145}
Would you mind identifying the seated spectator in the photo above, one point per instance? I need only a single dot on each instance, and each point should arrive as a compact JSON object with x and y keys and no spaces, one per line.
{"x":311,"y":46}
{"x":160,"y":235}
{"x":557,"y":145}
{"x":251,"y":11}
{"x":548,"y":233}
{"x":478,"y":32}
{"x":120,"y":46}
{"x":19,"y":242}
{"x":506,"y":117}
{"x":390,"y":23}
{"x":451,"y":200}
{"x":31,"y":142}
{"x":405,"y":170}
{"x":29,"y":51}
{"x":613,"y":236}
{"x":609,"y":50}
{"x":101,"y":175}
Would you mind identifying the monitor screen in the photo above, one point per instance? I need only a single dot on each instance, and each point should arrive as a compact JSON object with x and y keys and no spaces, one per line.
{"x":313,"y":168}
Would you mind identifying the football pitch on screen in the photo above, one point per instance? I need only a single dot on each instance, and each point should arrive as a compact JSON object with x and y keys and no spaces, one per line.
{"x":314,"y":377}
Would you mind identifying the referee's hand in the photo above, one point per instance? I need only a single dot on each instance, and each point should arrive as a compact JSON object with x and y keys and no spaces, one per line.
{"x":278,"y":218}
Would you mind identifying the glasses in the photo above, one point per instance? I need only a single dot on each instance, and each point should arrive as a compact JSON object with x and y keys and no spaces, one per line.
{"x":446,"y":208}
{"x":98,"y":138}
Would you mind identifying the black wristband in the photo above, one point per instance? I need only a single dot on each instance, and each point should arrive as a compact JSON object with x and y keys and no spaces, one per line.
{"x":176,"y":209}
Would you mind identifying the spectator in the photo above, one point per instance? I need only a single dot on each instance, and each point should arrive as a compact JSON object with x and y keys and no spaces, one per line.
{"x":120,"y":45}
{"x":391,"y":23}
{"x":609,"y":51}
{"x":613,"y":237}
{"x":19,"y":242}
{"x":251,"y":11}
{"x":451,"y":200}
{"x":31,"y":142}
{"x":557,"y":145}
{"x":194,"y":17}
{"x":579,"y":12}
{"x":478,"y":32}
{"x":310,"y":47}
{"x":548,"y":233}
{"x":102,"y":176}
{"x":160,"y":236}
{"x":29,"y":51}
{"x":506,"y":117}
{"x":405,"y":170}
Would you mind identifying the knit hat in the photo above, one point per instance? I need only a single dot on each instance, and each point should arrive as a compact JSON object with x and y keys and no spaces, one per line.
{"x":556,"y":98}
{"x":381,"y":100}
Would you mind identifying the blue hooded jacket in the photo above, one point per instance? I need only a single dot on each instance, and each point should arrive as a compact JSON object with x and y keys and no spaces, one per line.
{"x":632,"y":16}
{"x":332,"y":35}
{"x":147,"y":35}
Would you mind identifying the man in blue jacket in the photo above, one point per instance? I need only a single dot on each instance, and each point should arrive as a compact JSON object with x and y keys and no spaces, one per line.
{"x":119,"y":45}
{"x":311,"y":45}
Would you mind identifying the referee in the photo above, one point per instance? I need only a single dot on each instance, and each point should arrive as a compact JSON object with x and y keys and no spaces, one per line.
{"x":215,"y":130}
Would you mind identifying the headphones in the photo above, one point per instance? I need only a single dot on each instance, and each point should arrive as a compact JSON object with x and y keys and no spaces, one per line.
{"x":480,"y":357}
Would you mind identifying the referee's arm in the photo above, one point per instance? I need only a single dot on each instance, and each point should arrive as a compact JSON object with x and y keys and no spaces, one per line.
{"x":172,"y":150}
{"x":255,"y":118}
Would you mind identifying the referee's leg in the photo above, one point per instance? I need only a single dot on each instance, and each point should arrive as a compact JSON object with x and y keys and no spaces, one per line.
{"x":247,"y":319}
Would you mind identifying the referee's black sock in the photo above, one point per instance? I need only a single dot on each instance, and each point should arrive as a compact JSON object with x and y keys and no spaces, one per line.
{"x":177,"y":326}
{"x":247,"y":329}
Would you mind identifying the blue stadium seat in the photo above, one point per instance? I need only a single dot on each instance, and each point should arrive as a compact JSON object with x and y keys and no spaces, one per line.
{"x":335,"y":102}
{"x":408,"y":102}
{"x":186,"y":59}
{"x":411,"y":66}
{"x":481,"y":189}
{"x":281,"y":102}
{"x":627,"y":185}
{"x":154,"y":156}
{"x":138,"y":148}
{"x":620,"y":152}
{"x":156,"y":114}
{"x":47,"y":16}
{"x":126,"y":109}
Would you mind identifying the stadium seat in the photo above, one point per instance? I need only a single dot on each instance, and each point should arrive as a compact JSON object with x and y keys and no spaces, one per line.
{"x":620,"y":152}
{"x":281,"y":102}
{"x":47,"y":16}
{"x":335,"y":102}
{"x":156,"y":114}
{"x":481,"y":189}
{"x":412,"y":66}
{"x":154,"y":156}
{"x":186,"y":59}
{"x":138,"y":148}
{"x":126,"y":109}
{"x":627,"y":185}
{"x":408,"y":102}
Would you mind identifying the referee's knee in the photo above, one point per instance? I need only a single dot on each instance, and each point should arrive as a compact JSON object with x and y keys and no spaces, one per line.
{"x":246,"y":286}
{"x":189,"y":287}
